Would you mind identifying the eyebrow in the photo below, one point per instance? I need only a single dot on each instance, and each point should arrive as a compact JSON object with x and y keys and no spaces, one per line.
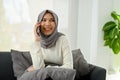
{"x":48,"y":18}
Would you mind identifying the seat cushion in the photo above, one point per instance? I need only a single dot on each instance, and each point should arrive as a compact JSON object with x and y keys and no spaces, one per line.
{"x":53,"y":73}
{"x":80,"y":64}
{"x":21,"y":61}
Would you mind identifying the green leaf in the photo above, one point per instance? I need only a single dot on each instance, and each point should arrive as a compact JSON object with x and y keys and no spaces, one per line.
{"x":106,"y":35}
{"x":119,"y":24}
{"x":111,"y":42}
{"x":113,"y":33}
{"x":115,"y":16}
{"x":118,"y":39}
{"x":107,"y":42}
{"x":116,"y":46}
{"x":118,"y":35}
{"x":109,"y":25}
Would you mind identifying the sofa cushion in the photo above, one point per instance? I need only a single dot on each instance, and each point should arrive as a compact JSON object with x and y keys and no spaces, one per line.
{"x":80,"y":64}
{"x":21,"y":61}
{"x":53,"y":73}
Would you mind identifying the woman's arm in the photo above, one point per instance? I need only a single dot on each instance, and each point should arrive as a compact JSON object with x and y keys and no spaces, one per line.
{"x":67,"y":54}
{"x":36,"y":55}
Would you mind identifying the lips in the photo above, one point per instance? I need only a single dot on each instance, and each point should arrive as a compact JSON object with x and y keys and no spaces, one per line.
{"x":47,"y":29}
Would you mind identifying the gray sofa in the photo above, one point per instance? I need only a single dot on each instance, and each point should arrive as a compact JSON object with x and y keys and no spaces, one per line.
{"x":7,"y":73}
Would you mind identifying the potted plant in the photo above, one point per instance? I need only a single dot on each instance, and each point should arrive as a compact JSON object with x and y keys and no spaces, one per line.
{"x":111,"y":31}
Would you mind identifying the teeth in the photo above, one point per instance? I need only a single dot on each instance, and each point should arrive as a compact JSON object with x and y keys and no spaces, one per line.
{"x":47,"y":29}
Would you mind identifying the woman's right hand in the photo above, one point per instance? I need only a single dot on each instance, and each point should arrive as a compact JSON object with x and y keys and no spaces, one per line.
{"x":31,"y":68}
{"x":37,"y":37}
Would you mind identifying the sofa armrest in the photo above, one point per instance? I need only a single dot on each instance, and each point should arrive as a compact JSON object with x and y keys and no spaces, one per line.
{"x":98,"y":73}
{"x":6,"y":67}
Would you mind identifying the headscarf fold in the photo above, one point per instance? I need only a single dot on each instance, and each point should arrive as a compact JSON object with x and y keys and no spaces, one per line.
{"x":48,"y":41}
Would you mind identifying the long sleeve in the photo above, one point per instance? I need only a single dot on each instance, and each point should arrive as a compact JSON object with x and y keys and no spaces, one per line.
{"x":37,"y":57}
{"x":67,"y":55}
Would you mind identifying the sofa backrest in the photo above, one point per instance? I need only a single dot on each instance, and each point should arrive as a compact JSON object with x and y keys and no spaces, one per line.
{"x":6,"y":69}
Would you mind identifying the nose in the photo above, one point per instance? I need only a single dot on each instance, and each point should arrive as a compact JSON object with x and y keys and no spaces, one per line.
{"x":47,"y":22}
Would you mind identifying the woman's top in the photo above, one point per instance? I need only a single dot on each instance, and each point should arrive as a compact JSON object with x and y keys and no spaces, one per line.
{"x":59,"y":54}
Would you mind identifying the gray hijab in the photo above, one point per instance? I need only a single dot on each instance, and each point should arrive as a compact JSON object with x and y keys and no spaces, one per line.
{"x":48,"y":41}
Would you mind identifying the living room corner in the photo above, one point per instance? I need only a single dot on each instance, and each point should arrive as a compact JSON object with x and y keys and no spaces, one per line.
{"x":82,"y":23}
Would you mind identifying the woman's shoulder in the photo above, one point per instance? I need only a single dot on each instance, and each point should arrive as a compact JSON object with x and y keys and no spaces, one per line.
{"x":63,"y":37}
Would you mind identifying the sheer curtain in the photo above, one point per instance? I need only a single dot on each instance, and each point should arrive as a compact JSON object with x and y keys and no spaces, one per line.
{"x":19,"y":16}
{"x":15,"y":26}
{"x":16,"y":11}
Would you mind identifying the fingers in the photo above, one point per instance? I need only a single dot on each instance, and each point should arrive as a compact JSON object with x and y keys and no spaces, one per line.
{"x":35,"y":28}
{"x":37,"y":37}
{"x":31,"y":68}
{"x":37,"y":25}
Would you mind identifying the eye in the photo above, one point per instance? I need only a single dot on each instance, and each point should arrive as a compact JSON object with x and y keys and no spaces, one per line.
{"x":52,"y":20}
{"x":43,"y":20}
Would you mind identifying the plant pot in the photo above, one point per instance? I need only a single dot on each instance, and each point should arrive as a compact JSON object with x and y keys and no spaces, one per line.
{"x":116,"y":62}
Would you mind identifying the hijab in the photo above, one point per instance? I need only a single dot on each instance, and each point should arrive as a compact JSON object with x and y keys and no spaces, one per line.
{"x":48,"y":41}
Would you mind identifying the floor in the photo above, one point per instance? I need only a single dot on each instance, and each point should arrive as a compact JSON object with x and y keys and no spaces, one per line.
{"x":115,"y":76}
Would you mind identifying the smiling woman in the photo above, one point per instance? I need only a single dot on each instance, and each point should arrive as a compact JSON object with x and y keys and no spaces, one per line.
{"x":52,"y":50}
{"x":48,"y":24}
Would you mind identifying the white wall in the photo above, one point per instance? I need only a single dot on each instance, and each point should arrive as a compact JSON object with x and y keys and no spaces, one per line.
{"x":61,"y":9}
{"x":73,"y":22}
{"x":91,"y":17}
{"x":67,"y":11}
{"x":84,"y":27}
{"x":104,"y":54}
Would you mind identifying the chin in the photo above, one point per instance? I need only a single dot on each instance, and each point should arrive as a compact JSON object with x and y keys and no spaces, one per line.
{"x":47,"y":34}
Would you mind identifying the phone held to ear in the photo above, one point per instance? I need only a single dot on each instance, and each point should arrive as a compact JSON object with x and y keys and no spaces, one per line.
{"x":38,"y":30}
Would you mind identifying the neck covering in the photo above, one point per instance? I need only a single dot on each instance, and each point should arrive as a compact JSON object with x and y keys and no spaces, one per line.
{"x":48,"y":41}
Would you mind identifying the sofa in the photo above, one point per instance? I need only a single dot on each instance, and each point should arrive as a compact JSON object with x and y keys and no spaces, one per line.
{"x":7,"y":73}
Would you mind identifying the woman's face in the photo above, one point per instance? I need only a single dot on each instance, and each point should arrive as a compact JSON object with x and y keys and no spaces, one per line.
{"x":47,"y":24}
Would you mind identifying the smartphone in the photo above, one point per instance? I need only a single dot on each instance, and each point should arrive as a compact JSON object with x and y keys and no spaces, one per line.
{"x":38,"y":31}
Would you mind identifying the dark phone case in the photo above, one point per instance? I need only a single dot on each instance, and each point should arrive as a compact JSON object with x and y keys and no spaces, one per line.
{"x":38,"y":31}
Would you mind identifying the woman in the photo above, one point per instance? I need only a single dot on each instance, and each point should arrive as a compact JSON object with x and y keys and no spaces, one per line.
{"x":51,"y":48}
